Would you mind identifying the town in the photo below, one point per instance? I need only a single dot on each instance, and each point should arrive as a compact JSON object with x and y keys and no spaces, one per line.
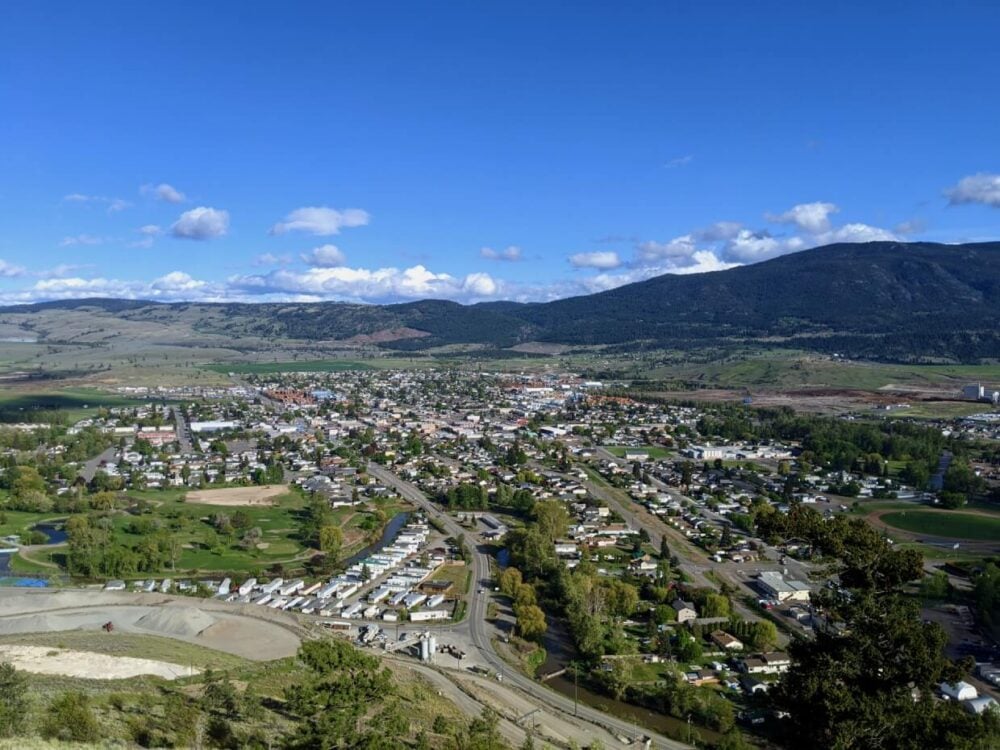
{"x":542,"y":530}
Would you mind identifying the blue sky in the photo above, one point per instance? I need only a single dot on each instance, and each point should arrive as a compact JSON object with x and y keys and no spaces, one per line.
{"x":473,"y":151}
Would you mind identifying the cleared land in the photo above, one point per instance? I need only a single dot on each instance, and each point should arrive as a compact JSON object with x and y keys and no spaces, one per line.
{"x":244,"y":632}
{"x":264,"y":495}
{"x":88,"y":665}
{"x":267,"y":368}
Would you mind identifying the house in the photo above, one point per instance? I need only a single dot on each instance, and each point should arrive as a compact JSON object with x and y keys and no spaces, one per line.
{"x":685,"y":610}
{"x":725,"y":641}
{"x":774,"y":662}
{"x":751,"y":685}
{"x":959,"y":691}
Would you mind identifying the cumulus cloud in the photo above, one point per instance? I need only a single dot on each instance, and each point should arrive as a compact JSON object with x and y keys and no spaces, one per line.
{"x":9,"y":270}
{"x":510,"y":253}
{"x":113,"y":204}
{"x":201,"y":223}
{"x":855,"y":233}
{"x":163,"y":192}
{"x":978,"y":188}
{"x":605,"y":259}
{"x":324,"y":256}
{"x":720,"y":230}
{"x":677,"y":249}
{"x":320,"y":220}
{"x":342,"y":282}
{"x":81,"y":239}
{"x":270,"y":259}
{"x":749,"y":247}
{"x":810,"y":217}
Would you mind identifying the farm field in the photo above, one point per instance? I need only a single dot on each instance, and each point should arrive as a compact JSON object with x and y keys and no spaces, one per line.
{"x":267,"y":368}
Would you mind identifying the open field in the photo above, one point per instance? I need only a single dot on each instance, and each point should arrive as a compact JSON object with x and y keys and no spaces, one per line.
{"x":87,"y":664}
{"x":267,"y":368}
{"x":235,"y":496}
{"x":458,"y":574}
{"x":938,"y":523}
{"x":30,"y":403}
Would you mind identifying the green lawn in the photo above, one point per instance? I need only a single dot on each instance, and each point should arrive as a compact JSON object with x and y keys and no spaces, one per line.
{"x":654,"y":451}
{"x":944,"y":523}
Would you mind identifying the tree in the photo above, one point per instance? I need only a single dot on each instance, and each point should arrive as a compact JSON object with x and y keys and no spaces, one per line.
{"x":339,"y":687}
{"x":762,"y":635}
{"x":872,"y":684}
{"x":531,"y":622}
{"x":13,"y":700}
{"x":510,"y":580}
{"x":715,"y":605}
{"x":331,"y":538}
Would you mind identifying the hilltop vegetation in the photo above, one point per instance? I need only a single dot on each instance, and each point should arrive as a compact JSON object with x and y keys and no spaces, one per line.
{"x":882,"y":300}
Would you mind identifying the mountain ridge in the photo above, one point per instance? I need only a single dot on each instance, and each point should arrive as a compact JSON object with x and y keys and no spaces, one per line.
{"x":888,"y":300}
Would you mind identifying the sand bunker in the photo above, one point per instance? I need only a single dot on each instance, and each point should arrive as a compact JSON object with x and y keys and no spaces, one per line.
{"x":263,"y":495}
{"x":87,"y":664}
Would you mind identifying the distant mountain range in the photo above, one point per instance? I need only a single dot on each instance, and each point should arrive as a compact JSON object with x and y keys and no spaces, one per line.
{"x":879,"y":300}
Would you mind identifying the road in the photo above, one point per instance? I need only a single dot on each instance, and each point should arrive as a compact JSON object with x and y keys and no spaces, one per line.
{"x":479,"y":630}
{"x":90,"y":468}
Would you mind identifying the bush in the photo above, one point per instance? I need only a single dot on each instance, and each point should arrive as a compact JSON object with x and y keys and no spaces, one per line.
{"x":71,"y":719}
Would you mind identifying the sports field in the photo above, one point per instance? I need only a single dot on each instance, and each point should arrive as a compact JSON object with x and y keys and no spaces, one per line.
{"x":942,"y":523}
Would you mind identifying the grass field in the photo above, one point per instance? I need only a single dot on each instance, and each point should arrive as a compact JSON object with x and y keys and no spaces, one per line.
{"x":942,"y":523}
{"x":23,"y":404}
{"x":654,"y":451}
{"x":459,"y":575}
{"x":267,"y":368}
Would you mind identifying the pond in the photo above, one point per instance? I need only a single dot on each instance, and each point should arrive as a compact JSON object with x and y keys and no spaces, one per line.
{"x":389,"y":533}
{"x":54,"y":530}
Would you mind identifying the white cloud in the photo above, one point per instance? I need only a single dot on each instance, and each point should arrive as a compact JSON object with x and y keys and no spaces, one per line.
{"x":855,"y":233}
{"x":270,"y":259}
{"x":810,"y":217}
{"x":163,"y":192}
{"x":510,"y":253}
{"x":383,"y":284}
{"x":749,"y":247}
{"x":324,"y":256}
{"x":81,"y":239}
{"x":911,"y":226}
{"x":178,"y":281}
{"x":113,"y":204}
{"x":9,"y":270}
{"x":150,"y":230}
{"x":604,"y":260}
{"x":201,"y":223}
{"x":720,"y":230}
{"x":680,"y":161}
{"x":977,"y":188}
{"x":320,"y":220}
{"x":677,"y":249}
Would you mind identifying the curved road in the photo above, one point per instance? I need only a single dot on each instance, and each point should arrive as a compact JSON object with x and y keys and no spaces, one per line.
{"x":475,"y":625}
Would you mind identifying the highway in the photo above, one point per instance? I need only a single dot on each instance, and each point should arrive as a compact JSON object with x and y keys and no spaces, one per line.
{"x":479,"y":630}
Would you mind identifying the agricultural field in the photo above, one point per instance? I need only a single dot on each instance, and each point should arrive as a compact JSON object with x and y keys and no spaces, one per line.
{"x":269,"y":368}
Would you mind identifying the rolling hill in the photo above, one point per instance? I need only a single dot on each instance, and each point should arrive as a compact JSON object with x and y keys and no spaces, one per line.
{"x":880,"y":300}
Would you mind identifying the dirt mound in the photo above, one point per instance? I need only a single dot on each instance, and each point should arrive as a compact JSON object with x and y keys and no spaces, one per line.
{"x":184,"y":622}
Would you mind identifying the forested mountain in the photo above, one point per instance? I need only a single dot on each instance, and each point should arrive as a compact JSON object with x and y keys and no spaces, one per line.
{"x":883,"y":300}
